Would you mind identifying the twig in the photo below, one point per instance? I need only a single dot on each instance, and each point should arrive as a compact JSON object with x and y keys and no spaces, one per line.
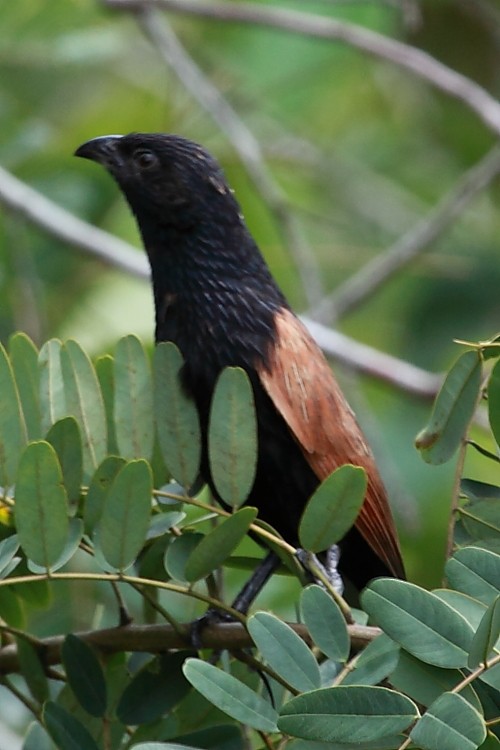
{"x":410,"y":58}
{"x":19,"y":197}
{"x":240,"y":136}
{"x":159,"y":638}
{"x":46,"y":214}
{"x":417,"y":240}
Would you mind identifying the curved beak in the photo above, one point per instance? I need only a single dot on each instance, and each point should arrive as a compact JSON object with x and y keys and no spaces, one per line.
{"x":102,"y":149}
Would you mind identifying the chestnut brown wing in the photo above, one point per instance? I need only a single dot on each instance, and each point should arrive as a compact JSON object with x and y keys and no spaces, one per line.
{"x":302,"y":387}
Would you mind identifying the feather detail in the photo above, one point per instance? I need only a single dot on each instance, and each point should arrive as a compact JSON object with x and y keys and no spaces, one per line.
{"x":303,"y":389}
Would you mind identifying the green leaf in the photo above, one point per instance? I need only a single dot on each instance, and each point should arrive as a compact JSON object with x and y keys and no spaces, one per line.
{"x":419,"y":621}
{"x":41,"y":509}
{"x":104,"y":367}
{"x":476,"y":572}
{"x":84,"y":401}
{"x":99,"y":488}
{"x":64,"y":437}
{"x":325,"y":623}
{"x":154,"y":690}
{"x":453,"y":410}
{"x":470,"y":608}
{"x":125,"y":516}
{"x":450,"y":723}
{"x":333,"y":508}
{"x":75,"y":533}
{"x":11,"y":610}
{"x":284,"y":651}
{"x":347,"y":714}
{"x":475,"y":490}
{"x":179,"y":553}
{"x":52,"y":395}
{"x":384,"y":743}
{"x":230,"y":695}
{"x":216,"y":546}
{"x":424,"y":682}
{"x":486,"y":635}
{"x":36,"y":738}
{"x":162,"y":746}
{"x":8,"y":548}
{"x":66,"y":731}
{"x":24,"y":359}
{"x":232,"y":436}
{"x":133,"y":400}
{"x":32,"y":670}
{"x":85,"y":675}
{"x":482,"y":519}
{"x":376,"y":662}
{"x":494,"y":401}
{"x":13,"y":435}
{"x":177,"y":420}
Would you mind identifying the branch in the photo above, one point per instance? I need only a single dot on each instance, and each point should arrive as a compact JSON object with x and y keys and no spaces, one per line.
{"x":24,"y":200}
{"x":410,"y":58}
{"x":46,"y":214}
{"x":240,"y":136}
{"x":417,"y":240}
{"x":159,"y":638}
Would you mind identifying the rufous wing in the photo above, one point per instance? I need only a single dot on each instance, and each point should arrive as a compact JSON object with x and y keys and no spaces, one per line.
{"x":302,"y":387}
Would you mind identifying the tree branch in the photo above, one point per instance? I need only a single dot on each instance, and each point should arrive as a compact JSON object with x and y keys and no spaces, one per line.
{"x":417,"y":240}
{"x":159,"y":638}
{"x":410,"y":58}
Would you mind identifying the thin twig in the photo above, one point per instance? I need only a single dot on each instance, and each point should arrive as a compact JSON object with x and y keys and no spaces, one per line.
{"x":410,"y":58}
{"x":19,"y":197}
{"x":241,"y":137}
{"x":416,"y":241}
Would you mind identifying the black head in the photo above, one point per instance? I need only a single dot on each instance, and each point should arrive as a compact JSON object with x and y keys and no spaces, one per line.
{"x":166,"y":179}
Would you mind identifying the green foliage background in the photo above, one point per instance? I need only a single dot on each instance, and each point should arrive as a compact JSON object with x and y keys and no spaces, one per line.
{"x":361,"y":149}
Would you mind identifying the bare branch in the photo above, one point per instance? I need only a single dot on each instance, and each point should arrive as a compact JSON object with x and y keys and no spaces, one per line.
{"x":240,"y":136}
{"x":410,"y":58}
{"x":24,"y":200}
{"x":159,"y":638}
{"x":416,"y":241}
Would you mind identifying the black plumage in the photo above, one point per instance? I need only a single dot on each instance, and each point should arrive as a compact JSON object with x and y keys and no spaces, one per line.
{"x":216,"y":299}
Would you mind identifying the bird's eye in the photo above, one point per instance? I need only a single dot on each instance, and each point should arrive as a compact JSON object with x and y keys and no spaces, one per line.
{"x":145,"y":159}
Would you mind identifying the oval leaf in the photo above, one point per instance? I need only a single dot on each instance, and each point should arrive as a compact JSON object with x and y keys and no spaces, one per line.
{"x":32,"y":670}
{"x":419,"y":621}
{"x":133,"y":400}
{"x":232,"y":436}
{"x":179,"y":552}
{"x":325,"y":623}
{"x":104,"y":368}
{"x":216,"y":546}
{"x":64,"y":437}
{"x":84,"y":402}
{"x":453,"y":410}
{"x":75,"y":533}
{"x":450,"y":723}
{"x":230,"y":695}
{"x":494,"y":401}
{"x":486,"y":635}
{"x":476,"y":572}
{"x":285,"y":652}
{"x":125,"y":516}
{"x":154,"y":690}
{"x":99,"y":488}
{"x":333,"y":508}
{"x":66,"y":731}
{"x":177,"y":420}
{"x":52,"y":395}
{"x":24,"y":359}
{"x":376,"y":662}
{"x":85,"y":675}
{"x":8,"y":548}
{"x":347,"y":714}
{"x":13,"y":435}
{"x":41,"y":509}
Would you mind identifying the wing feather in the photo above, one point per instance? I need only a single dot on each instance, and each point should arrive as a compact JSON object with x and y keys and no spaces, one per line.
{"x":302,"y":387}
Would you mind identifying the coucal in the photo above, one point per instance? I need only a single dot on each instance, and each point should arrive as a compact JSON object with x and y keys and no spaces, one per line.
{"x":216,"y":299}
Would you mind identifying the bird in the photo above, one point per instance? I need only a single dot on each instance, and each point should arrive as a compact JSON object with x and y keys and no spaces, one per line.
{"x":216,"y":299}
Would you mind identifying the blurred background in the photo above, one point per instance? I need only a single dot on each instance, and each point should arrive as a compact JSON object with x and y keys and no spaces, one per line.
{"x":339,"y":158}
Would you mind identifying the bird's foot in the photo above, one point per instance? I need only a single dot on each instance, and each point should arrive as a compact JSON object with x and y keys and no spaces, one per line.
{"x":211,"y":617}
{"x":324,"y":569}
